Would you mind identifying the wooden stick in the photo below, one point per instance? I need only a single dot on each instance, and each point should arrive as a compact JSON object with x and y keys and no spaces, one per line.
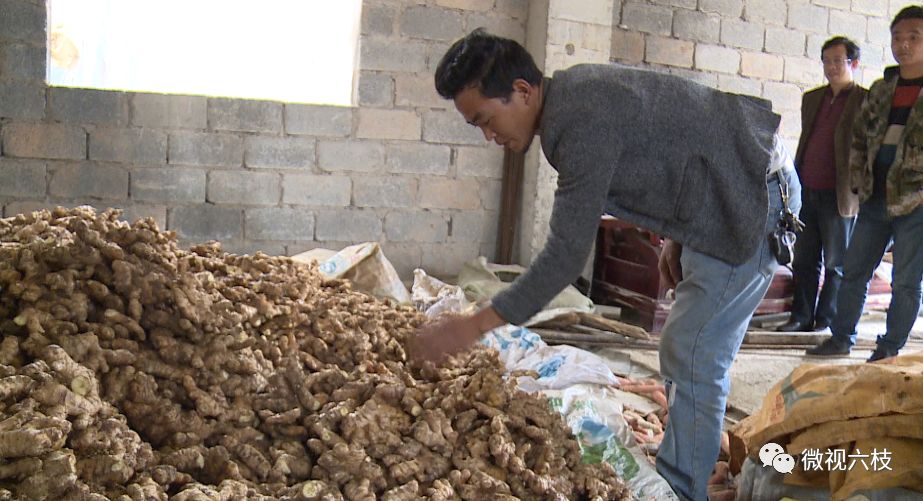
{"x":580,"y":336}
{"x":603,"y":323}
{"x":510,"y":195}
{"x":592,"y":339}
{"x":791,"y":338}
{"x":771,"y":337}
{"x":560,"y":321}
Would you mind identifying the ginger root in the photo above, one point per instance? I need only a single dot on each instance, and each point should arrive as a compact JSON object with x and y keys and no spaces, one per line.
{"x":132,"y":369}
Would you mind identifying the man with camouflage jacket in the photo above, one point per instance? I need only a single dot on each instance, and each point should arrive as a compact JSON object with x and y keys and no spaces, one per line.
{"x":886,"y":171}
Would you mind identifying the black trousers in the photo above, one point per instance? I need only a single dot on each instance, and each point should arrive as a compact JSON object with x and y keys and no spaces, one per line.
{"x":822,"y":244}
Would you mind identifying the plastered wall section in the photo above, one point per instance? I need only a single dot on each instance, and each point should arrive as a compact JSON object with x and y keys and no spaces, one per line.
{"x":562,"y":33}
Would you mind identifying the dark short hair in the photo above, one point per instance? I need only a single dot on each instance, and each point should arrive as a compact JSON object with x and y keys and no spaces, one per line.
{"x":488,"y":61}
{"x":852,"y":50}
{"x":909,"y":12}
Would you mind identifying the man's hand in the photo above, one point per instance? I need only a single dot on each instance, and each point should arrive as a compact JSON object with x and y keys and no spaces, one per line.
{"x":671,"y":271}
{"x":448,"y":336}
{"x":439,"y":339}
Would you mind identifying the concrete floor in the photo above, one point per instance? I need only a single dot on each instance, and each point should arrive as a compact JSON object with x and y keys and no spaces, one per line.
{"x":754,"y":372}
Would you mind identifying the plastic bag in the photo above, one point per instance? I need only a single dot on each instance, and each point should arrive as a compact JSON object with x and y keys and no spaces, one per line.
{"x":365,"y":265}
{"x":594,"y":415}
{"x":513,"y":343}
{"x":593,"y":411}
{"x":482,"y":281}
{"x":434,"y":297}
{"x":562,"y":366}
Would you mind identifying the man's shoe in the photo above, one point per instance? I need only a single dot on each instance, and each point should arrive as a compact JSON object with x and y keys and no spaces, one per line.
{"x":821,"y":326}
{"x":794,"y":326}
{"x":882,"y":352}
{"x":829,"y":348}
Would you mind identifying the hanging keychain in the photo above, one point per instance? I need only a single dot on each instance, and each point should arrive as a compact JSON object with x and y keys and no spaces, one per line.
{"x":782,"y":239}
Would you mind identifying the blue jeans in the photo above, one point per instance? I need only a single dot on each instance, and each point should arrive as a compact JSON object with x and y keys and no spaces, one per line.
{"x":825,"y":235}
{"x":874,"y":231}
{"x":707,"y":322}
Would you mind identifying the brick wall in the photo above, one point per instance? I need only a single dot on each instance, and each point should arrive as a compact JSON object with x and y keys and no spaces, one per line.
{"x":768,"y":48}
{"x":401,"y":167}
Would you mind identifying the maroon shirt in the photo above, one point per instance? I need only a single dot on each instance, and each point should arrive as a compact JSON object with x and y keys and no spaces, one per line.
{"x":818,"y":167}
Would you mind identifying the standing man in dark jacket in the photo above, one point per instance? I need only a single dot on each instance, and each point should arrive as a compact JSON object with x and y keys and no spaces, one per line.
{"x":699,"y":166}
{"x":829,"y":206}
{"x":886,"y":170}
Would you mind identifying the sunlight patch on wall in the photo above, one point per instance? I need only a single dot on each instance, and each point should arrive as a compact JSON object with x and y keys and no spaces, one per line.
{"x":303,"y":51}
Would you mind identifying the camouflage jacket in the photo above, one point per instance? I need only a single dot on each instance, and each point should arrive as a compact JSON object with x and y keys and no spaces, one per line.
{"x":905,"y":178}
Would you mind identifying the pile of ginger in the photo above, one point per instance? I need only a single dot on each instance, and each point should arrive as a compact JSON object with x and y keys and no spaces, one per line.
{"x":133,"y":370}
